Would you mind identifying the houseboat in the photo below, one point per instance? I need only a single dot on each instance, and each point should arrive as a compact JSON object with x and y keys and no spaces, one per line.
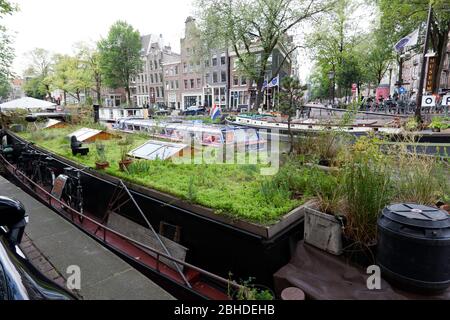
{"x":112,"y":114}
{"x":271,"y":122}
{"x":205,"y":135}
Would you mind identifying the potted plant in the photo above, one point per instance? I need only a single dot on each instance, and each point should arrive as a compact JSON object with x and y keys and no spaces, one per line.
{"x":101,"y":163}
{"x":125,"y":160}
{"x":125,"y":147}
{"x":437,"y":124}
{"x":248,"y":291}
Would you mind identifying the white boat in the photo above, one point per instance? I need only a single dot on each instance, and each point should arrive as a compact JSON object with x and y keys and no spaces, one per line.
{"x":205,"y":135}
{"x":268,"y":122}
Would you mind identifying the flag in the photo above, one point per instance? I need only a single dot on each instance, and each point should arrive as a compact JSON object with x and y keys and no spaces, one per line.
{"x":275,"y":82}
{"x":215,"y":112}
{"x":409,"y":41}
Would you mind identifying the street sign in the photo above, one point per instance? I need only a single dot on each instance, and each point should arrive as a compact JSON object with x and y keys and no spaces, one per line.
{"x":428,"y":101}
{"x":446,"y":100}
{"x":430,"y":73}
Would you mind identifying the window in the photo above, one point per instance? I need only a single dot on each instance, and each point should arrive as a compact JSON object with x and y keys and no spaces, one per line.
{"x":151,"y":78}
{"x":207,"y":78}
{"x":215,"y":80}
{"x":185,"y":67}
{"x":156,"y":77}
{"x":185,"y":84}
{"x":177,"y":85}
{"x":167,"y":85}
{"x":160,"y":77}
{"x":172,"y":85}
{"x":176,"y":69}
{"x":207,"y":63}
{"x":243,"y":81}
{"x":235,"y":80}
{"x":162,"y":92}
{"x":223,"y":76}
{"x":156,"y":64}
{"x":223,"y":60}
{"x":199,"y":83}
{"x":192,"y":83}
{"x":214,"y":61}
{"x":157,"y":92}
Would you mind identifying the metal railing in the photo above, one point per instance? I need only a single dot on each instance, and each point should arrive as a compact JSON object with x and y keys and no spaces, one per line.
{"x":159,"y":255}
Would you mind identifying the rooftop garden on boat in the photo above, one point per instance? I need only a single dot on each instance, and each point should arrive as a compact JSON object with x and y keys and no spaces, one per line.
{"x":237,"y":191}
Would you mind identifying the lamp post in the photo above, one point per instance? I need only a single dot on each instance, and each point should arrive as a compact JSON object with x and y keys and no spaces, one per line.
{"x":331,"y":76}
{"x":390,"y":80}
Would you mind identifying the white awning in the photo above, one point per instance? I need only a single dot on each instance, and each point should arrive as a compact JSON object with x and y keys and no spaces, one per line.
{"x":27,"y":103}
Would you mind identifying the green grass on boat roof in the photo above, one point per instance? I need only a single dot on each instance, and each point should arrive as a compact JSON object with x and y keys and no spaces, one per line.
{"x":237,"y":191}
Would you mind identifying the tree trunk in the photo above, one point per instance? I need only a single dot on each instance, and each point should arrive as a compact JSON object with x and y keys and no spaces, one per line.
{"x":78,"y":96}
{"x":65,"y":97}
{"x":127,"y":89}
{"x":291,"y":134}
{"x":259,"y":93}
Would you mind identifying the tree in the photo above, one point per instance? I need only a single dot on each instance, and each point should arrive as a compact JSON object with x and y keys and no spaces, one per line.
{"x":404,"y":16}
{"x":246,"y":25}
{"x":40,"y":69}
{"x":91,"y":58}
{"x":6,"y":51}
{"x":34,"y":87}
{"x":120,"y":56}
{"x":290,"y":100}
{"x":5,"y":87}
{"x":334,"y":42}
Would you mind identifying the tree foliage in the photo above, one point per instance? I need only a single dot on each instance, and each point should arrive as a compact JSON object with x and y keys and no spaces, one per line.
{"x":403,"y":16}
{"x":6,"y":50}
{"x":38,"y":73}
{"x":120,"y":56}
{"x":291,"y":95}
{"x":246,"y":25}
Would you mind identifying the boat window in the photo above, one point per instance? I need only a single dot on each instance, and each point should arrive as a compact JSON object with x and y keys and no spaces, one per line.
{"x":240,"y":136}
{"x":211,"y":138}
{"x":252,"y":135}
{"x":229,"y":137}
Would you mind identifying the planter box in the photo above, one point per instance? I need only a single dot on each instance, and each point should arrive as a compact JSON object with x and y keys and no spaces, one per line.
{"x":323,"y":231}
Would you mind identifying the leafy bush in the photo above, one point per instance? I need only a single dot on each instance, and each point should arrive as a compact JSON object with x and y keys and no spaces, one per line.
{"x":367,"y":190}
{"x":101,"y":153}
{"x":326,"y":188}
{"x":420,"y":179}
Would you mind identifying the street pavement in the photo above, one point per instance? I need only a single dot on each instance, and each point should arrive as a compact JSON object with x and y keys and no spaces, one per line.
{"x":53,"y":245}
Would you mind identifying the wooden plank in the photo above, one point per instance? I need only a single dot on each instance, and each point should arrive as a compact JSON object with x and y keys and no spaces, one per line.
{"x":145,"y":236}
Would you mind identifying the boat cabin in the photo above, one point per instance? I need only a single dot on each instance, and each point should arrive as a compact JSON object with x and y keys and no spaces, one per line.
{"x":206,"y":135}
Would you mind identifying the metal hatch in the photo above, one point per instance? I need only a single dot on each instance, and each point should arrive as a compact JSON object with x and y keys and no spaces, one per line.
{"x":153,"y":150}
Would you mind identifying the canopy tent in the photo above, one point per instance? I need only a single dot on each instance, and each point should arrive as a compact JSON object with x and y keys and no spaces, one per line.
{"x":27,"y":103}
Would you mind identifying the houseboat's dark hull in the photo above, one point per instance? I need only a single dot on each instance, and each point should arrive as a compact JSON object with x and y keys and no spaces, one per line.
{"x":216,"y":244}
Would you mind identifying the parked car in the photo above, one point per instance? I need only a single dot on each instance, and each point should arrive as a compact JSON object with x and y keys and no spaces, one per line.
{"x":19,"y":279}
{"x":194,"y":111}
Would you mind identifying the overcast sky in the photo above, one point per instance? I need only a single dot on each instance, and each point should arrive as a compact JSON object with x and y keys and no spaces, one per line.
{"x":57,"y":24}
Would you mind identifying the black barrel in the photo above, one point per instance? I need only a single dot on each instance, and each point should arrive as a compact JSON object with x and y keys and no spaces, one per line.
{"x":414,"y":246}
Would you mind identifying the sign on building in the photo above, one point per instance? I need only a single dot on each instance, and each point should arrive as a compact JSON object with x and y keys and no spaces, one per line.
{"x":428,"y":101}
{"x":430,"y":73}
{"x":446,"y":100}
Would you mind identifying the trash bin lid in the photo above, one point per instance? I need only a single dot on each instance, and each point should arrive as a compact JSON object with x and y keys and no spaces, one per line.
{"x":417,"y":215}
